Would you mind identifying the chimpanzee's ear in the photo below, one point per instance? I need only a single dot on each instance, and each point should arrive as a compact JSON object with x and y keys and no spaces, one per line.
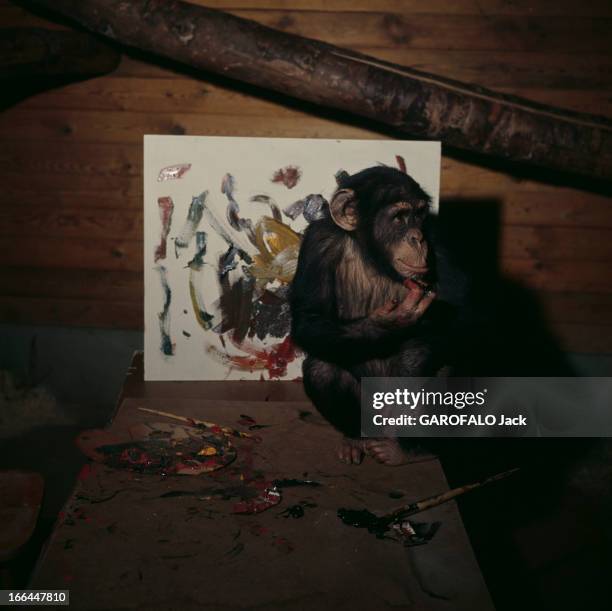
{"x":343,"y":209}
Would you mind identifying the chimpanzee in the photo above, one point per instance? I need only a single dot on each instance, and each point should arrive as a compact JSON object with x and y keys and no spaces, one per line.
{"x":361,"y":297}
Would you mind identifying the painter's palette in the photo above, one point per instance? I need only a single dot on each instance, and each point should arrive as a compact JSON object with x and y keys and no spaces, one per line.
{"x":159,"y":448}
{"x":224,"y":219}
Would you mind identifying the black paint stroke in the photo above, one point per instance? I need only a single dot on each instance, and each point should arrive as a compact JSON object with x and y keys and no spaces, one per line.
{"x":194,"y":216}
{"x":167,"y":347}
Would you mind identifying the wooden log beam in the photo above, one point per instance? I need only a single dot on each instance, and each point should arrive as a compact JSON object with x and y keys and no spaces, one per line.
{"x":36,"y":52}
{"x":419,"y":104}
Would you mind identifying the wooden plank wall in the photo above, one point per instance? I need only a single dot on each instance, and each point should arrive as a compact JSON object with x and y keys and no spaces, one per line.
{"x":71,"y":158}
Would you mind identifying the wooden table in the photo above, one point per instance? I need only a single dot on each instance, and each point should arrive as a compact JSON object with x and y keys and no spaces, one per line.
{"x":127,"y":540}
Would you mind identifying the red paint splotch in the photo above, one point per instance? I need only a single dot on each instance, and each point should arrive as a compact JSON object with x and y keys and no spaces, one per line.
{"x":274,"y":359}
{"x":288,"y":176}
{"x":401,"y":164}
{"x":268,"y":498}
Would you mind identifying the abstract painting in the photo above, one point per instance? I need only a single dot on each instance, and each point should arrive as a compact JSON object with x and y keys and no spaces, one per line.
{"x":223,"y":223}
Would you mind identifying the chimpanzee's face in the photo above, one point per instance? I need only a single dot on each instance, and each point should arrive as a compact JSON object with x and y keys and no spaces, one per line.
{"x":398,"y":231}
{"x":385,"y":210}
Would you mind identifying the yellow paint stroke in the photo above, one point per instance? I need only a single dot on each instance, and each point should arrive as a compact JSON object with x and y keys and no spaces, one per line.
{"x":278,"y":247}
{"x":208,"y":451}
{"x":202,"y":316}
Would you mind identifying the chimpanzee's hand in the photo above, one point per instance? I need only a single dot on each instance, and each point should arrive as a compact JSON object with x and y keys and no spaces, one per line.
{"x":404,"y":313}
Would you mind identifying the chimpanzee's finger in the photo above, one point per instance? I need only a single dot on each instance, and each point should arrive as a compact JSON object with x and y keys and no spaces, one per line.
{"x":424,"y":303}
{"x":386,"y":310}
{"x":390,"y":306}
{"x":343,"y":454}
{"x":411,"y":300}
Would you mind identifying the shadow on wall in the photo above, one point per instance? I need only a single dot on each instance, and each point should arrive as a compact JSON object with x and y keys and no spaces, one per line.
{"x":510,"y":525}
{"x":510,"y":335}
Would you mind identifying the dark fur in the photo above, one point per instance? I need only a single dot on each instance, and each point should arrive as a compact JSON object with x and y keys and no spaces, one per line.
{"x":341,"y":278}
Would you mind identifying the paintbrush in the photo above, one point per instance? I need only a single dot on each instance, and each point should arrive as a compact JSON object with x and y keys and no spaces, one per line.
{"x":203,"y":424}
{"x":379,"y":525}
{"x":439,"y":499}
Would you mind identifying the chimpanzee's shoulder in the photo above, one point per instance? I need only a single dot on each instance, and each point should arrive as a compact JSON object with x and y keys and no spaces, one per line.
{"x":324,"y":235}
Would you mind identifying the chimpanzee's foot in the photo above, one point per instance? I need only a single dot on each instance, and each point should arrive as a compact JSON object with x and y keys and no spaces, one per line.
{"x":390,"y":453}
{"x":351,"y":451}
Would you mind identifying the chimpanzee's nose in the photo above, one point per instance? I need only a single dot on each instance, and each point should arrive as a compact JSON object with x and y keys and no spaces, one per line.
{"x":415,"y":237}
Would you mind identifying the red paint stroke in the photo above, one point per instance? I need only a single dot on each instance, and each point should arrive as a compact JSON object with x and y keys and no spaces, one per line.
{"x":401,"y":164}
{"x":166,"y":207}
{"x":173,"y":172}
{"x":269,"y":498}
{"x":289,"y":176}
{"x":275,"y":359}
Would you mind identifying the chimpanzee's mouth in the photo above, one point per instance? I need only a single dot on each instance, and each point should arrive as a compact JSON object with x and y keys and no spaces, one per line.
{"x":414,"y":282}
{"x":414,"y":272}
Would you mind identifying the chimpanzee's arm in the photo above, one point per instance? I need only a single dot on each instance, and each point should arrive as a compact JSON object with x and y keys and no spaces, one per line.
{"x":315,"y":323}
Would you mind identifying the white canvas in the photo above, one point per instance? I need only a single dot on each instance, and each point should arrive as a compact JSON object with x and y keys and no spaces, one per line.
{"x":186,"y":338}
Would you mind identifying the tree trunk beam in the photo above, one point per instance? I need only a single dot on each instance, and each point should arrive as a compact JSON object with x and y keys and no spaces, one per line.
{"x":421,"y":105}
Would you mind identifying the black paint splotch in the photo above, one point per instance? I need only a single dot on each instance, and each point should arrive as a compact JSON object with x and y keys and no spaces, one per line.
{"x":167,"y":347}
{"x":298,"y":510}
{"x":294,"y":511}
{"x":271,"y":316}
{"x":235,"y":304}
{"x":362,"y":518}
